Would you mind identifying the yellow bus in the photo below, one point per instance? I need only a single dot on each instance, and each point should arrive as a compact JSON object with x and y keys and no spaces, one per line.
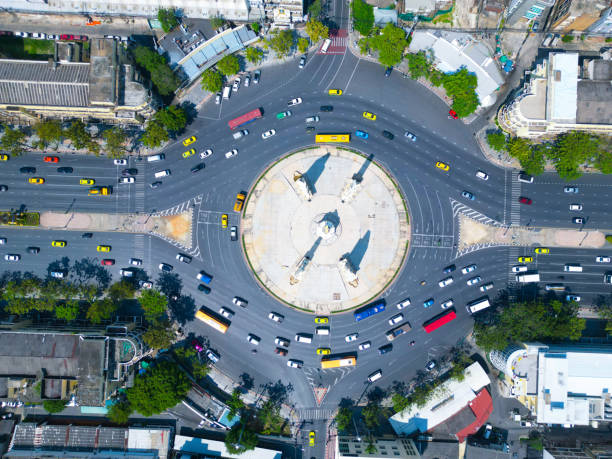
{"x":349,"y":361}
{"x":322,"y":138}
{"x":215,"y":323}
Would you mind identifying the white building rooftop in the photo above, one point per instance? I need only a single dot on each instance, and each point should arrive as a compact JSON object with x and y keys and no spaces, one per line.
{"x":211,"y":448}
{"x":563,"y":87}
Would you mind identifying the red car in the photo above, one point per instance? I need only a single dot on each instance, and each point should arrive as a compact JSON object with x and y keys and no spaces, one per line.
{"x":452,"y":114}
{"x":66,"y":37}
{"x":107,"y":262}
{"x":51,"y":159}
{"x":524,"y":200}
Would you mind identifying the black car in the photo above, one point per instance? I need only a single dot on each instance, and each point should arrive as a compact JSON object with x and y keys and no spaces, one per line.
{"x":388,"y":71}
{"x":155,"y":184}
{"x":65,"y":170}
{"x":388,"y":135}
{"x":87,"y":235}
{"x":197,"y":168}
{"x":28,"y":170}
{"x":256,"y":76}
{"x":449,"y":269}
{"x":327,"y":108}
{"x":165,"y":267}
{"x":34,"y":250}
{"x":129,"y":172}
{"x":3,"y":188}
{"x":310,"y":128}
{"x":203,"y":288}
{"x":384,"y":349}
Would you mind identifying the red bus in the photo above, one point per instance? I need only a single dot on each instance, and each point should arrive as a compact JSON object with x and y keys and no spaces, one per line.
{"x":244,"y":119}
{"x":439,"y":320}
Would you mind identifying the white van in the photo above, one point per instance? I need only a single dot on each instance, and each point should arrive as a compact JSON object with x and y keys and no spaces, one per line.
{"x":302,"y":338}
{"x":161,"y":174}
{"x":322,"y":330}
{"x":239,"y":134}
{"x":572,"y":268}
{"x":154,"y":158}
{"x":226,"y":92}
{"x":375,"y":376}
{"x":325,"y":46}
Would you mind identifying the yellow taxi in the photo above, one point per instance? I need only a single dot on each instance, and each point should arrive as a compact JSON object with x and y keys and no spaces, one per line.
{"x":189,"y":140}
{"x":86,"y":181}
{"x":323,"y":351}
{"x":335,"y":92}
{"x":4,"y":157}
{"x":240,"y":197}
{"x":321,"y":320}
{"x":36,"y":180}
{"x":369,"y":116}
{"x":58,"y":243}
{"x":525,"y":259}
{"x":103,"y":248}
{"x":311,"y":438}
{"x":189,"y":153}
{"x":542,"y":250}
{"x":224,"y":221}
{"x":442,"y":166}
{"x":100,"y":190}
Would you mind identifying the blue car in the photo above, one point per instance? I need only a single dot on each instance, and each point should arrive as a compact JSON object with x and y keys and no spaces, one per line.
{"x":428,"y":303}
{"x":362,"y":134}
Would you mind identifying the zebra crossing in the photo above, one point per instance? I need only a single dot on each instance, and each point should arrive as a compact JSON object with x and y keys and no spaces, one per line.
{"x":339,"y":42}
{"x":313,"y":413}
{"x":515,"y":205}
{"x":460,"y":208}
{"x":139,"y":195}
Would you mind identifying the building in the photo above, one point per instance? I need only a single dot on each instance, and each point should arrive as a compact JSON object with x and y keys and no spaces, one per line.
{"x":195,"y":47}
{"x":573,"y":448}
{"x":575,"y":15}
{"x":49,"y":441}
{"x":457,"y":408}
{"x":521,"y":12}
{"x":451,"y":51}
{"x":385,"y":446}
{"x":102,"y":90}
{"x":603,"y":26}
{"x":560,"y":95}
{"x":39,"y":366}
{"x":424,"y":7}
{"x":561,"y":385}
{"x":193,"y":447}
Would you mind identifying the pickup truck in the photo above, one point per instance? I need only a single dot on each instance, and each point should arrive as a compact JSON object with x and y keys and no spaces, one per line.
{"x":397,"y":331}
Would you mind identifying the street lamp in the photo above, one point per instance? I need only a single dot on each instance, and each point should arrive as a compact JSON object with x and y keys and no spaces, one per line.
{"x":356,"y":431}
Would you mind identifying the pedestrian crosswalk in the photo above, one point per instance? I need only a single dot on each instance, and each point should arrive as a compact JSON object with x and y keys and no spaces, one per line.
{"x":313,"y":414}
{"x":139,"y":195}
{"x":339,"y":42}
{"x":515,"y":205}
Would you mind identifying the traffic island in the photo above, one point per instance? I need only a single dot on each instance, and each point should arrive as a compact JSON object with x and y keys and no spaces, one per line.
{"x":325,"y":229}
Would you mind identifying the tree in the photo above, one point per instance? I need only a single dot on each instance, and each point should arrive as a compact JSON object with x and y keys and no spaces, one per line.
{"x":371,"y":414}
{"x":160,"y":73}
{"x":316,"y":30}
{"x":216,"y":22}
{"x":159,"y":335}
{"x":418,"y":65}
{"x":48,"y":132}
{"x":567,"y":38}
{"x":68,"y":310}
{"x":54,"y":406}
{"x":363,"y":17}
{"x":281,"y":42}
{"x":120,"y":412}
{"x":235,"y":404}
{"x":167,"y":18}
{"x":93,"y":147}
{"x":115,"y":138}
{"x":173,"y":118}
{"x":12,"y":140}
{"x":78,"y":134}
{"x":255,"y":27}
{"x":390,"y":45}
{"x":496,"y":140}
{"x":461,"y":87}
{"x":100,"y":310}
{"x":399,"y":402}
{"x":344,"y":418}
{"x":154,"y":303}
{"x":314,"y":10}
{"x":212,"y":81}
{"x":254,"y":55}
{"x":154,"y":134}
{"x":302,"y":44}
{"x":160,"y":388}
{"x":240,"y":439}
{"x":571,"y":150}
{"x":121,"y":290}
{"x":531,"y":157}
{"x":371,"y":447}
{"x":229,"y":65}
{"x":489,"y":338}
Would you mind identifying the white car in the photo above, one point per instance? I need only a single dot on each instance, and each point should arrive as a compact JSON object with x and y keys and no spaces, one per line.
{"x":575,"y":298}
{"x":294,"y":363}
{"x":127,"y":180}
{"x":350,"y":338}
{"x":2,"y":240}
{"x":296,"y":101}
{"x":268,"y":134}
{"x":254,"y":340}
{"x":120,"y":162}
{"x":12,"y":257}
{"x":205,"y":153}
{"x":281,"y":341}
{"x":275,"y":317}
{"x":183,"y":258}
{"x":240,"y":302}
{"x":396,"y":319}
{"x":236,"y":84}
{"x":482,"y":175}
{"x":485,"y":287}
{"x":247,"y":81}
{"x":145,"y":284}
{"x":313,"y":119}
{"x":39,"y":35}
{"x":445,"y":282}
{"x":135,"y":261}
{"x":217,"y":99}
{"x":365,"y":345}
{"x":519,"y":269}
{"x":603,"y":259}
{"x":468,"y":269}
{"x":447,"y":304}
{"x":226,"y":313}
{"x":22,"y":34}
{"x":570,"y":189}
{"x":410,"y":135}
{"x":474,"y":280}
{"x":126,"y":273}
{"x":403,"y":304}
{"x":576,"y":207}
{"x":231,"y":153}
{"x":57,"y":274}
{"x":212,"y":356}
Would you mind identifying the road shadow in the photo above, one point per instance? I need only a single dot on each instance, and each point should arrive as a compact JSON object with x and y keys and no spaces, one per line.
{"x":182,"y":310}
{"x":169,"y":284}
{"x":315,"y":171}
{"x":356,"y":255}
{"x":88,"y":269}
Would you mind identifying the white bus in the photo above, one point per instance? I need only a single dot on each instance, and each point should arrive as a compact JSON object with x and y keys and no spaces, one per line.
{"x":325,"y":46}
{"x":478,"y":305}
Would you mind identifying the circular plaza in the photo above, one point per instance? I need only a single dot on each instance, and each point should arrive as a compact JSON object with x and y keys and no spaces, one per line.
{"x":325,"y":229}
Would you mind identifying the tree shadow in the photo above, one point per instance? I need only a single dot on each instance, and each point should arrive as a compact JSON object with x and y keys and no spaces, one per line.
{"x":346,"y":402}
{"x":86,"y":270}
{"x":358,"y":252}
{"x":278,"y":392}
{"x":315,"y":171}
{"x":246,"y":381}
{"x":190,"y":110}
{"x":169,"y":284}
{"x":183,"y":310}
{"x":376,"y":395}
{"x":59,"y":265}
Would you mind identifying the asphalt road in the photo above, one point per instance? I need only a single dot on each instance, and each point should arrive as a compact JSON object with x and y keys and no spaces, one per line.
{"x":433,"y":196}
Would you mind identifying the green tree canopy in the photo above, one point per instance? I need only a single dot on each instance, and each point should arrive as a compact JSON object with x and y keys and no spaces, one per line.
{"x":254,"y":55}
{"x":390,"y":45}
{"x":371,"y":415}
{"x":216,"y":22}
{"x":363,"y":17}
{"x":281,"y":42}
{"x":67,"y":310}
{"x":154,"y":134}
{"x":497,"y":140}
{"x":302,"y":44}
{"x":229,"y":65}
{"x":571,"y":150}
{"x":235,"y":404}
{"x":160,"y":73}
{"x":399,"y":402}
{"x":255,"y":27}
{"x":54,"y":406}
{"x":240,"y":439}
{"x":154,"y":304}
{"x":48,"y":132}
{"x":344,"y":418}
{"x":167,"y":18}
{"x":12,"y":140}
{"x":78,"y":134}
{"x":101,"y":309}
{"x":115,"y":139}
{"x":159,"y":335}
{"x":212,"y":81}
{"x":173,"y":118}
{"x":121,"y":290}
{"x":418,"y":65}
{"x":461,"y":87}
{"x":316,"y":30}
{"x":531,"y":158}
{"x":160,"y":388}
{"x":120,"y":412}
{"x":314,"y":9}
